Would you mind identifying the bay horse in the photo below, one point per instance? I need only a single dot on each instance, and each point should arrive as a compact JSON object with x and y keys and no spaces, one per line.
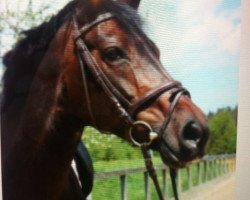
{"x":91,"y":64}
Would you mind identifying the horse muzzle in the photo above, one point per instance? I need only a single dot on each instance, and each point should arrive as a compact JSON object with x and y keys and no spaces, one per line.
{"x":177,"y":150}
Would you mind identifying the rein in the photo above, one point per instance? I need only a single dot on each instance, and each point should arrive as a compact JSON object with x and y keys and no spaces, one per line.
{"x":127,"y":109}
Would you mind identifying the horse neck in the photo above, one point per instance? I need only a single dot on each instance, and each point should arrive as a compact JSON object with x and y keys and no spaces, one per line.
{"x":44,"y":141}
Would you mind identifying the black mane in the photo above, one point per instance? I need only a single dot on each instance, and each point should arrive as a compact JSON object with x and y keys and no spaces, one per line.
{"x":21,"y":62}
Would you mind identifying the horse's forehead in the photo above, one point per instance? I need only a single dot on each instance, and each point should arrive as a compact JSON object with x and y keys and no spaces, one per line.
{"x":110,"y":29}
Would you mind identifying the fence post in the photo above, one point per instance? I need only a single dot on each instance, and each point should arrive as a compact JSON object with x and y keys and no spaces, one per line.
{"x":232,"y":165}
{"x":199,"y":181}
{"x":123,"y":180}
{"x":179,"y":187}
{"x":205,"y":171}
{"x":223,"y":165}
{"x":216,"y":168}
{"x":190,"y":177}
{"x":227,"y":164}
{"x":210,"y":169}
{"x":165,"y":183}
{"x":147,"y":186}
{"x":219,"y":166}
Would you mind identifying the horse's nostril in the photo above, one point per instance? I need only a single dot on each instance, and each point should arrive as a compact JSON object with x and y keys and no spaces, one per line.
{"x":192,"y":134}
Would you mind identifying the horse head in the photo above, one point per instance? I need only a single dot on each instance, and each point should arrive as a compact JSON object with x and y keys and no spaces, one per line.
{"x":128,"y":63}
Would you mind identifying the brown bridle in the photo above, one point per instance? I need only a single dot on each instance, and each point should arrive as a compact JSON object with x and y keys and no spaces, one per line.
{"x":126,"y":109}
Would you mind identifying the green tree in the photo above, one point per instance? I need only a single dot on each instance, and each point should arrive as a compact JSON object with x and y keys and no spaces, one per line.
{"x":107,"y":146}
{"x":223,"y":132}
{"x":17,"y":17}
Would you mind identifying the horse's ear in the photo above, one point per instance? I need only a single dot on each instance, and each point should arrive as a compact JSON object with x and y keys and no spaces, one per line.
{"x":133,"y":3}
{"x":95,"y":3}
{"x":86,"y":10}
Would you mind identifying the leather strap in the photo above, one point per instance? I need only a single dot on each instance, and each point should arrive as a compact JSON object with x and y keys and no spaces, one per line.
{"x":151,"y":170}
{"x":151,"y":95}
{"x":173,"y":176}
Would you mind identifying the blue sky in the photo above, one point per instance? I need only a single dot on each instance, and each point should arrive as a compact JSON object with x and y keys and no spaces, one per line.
{"x":199,"y":43}
{"x":198,"y":40}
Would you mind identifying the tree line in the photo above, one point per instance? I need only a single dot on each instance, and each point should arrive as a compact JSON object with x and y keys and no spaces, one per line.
{"x":223,"y":127}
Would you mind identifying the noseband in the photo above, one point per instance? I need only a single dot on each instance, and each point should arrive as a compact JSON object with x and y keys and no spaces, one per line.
{"x":127,"y":110}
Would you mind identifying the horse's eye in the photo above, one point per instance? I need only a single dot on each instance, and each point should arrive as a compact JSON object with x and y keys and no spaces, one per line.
{"x":114,"y":54}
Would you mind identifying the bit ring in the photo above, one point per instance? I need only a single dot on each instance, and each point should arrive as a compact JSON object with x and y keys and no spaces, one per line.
{"x":152,"y":135}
